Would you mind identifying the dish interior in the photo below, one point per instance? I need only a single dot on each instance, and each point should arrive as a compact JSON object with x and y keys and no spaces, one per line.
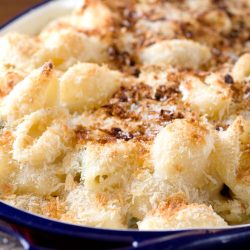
{"x":128,"y":115}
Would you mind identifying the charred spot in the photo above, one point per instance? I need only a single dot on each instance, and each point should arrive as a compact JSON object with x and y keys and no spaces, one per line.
{"x":167,"y":115}
{"x":226,"y":192}
{"x":136,"y":72}
{"x":132,"y":223}
{"x":77,"y":178}
{"x":82,"y":133}
{"x":228,"y":79}
{"x":158,"y":96}
{"x":49,"y":65}
{"x":221,"y":127}
{"x":128,"y":18}
{"x":132,"y":62}
{"x":163,"y":92}
{"x":116,"y":131}
{"x":186,"y":30}
{"x":160,"y":92}
{"x":119,"y":57}
{"x":113,"y":51}
{"x":121,"y":95}
{"x":218,"y":128}
{"x":134,"y":93}
{"x":120,"y":134}
{"x":121,"y":110}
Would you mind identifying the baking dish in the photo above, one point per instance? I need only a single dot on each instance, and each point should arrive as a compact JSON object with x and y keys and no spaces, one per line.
{"x":36,"y":232}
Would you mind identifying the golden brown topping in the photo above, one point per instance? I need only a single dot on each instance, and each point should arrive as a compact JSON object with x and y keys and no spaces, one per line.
{"x":171,"y":205}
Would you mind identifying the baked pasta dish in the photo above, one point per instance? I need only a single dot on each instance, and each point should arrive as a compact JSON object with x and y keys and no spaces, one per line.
{"x":130,"y":114}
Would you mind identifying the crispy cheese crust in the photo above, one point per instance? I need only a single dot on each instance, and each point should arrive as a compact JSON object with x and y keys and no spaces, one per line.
{"x":130,"y":114}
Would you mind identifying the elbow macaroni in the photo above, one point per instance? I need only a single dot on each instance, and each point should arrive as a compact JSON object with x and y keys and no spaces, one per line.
{"x":111,"y":167}
{"x":232,"y":157}
{"x":99,"y":210}
{"x":181,"y":152}
{"x":67,"y":46}
{"x":36,"y":91}
{"x":87,"y":86}
{"x":42,"y":137}
{"x":212,"y":98}
{"x":44,"y":181}
{"x":187,"y":217}
{"x":180,"y":53}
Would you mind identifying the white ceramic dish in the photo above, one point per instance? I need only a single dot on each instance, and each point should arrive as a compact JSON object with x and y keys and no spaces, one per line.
{"x":33,"y":20}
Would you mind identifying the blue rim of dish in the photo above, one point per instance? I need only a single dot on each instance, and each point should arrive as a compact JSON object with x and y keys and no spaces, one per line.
{"x":22,"y":13}
{"x":32,"y":221}
{"x":29,"y":220}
